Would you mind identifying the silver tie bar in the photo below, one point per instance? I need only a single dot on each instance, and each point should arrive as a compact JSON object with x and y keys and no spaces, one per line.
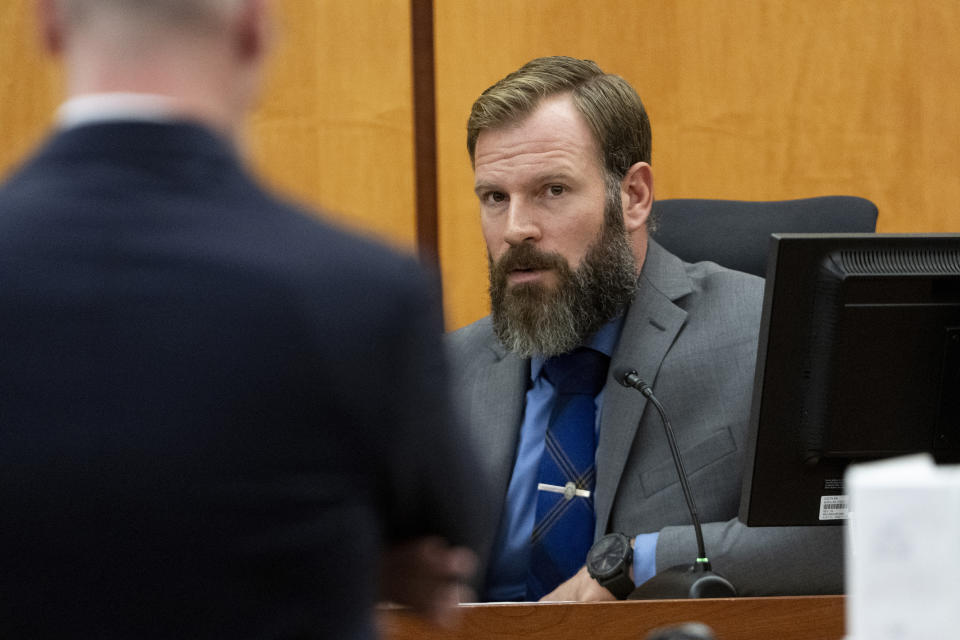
{"x":569,"y":490}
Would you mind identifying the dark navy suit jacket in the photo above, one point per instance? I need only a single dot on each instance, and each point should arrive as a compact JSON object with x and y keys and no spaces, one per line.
{"x":213,"y":407}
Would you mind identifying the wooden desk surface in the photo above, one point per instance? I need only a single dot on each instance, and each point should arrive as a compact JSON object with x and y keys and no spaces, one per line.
{"x":781,"y":618}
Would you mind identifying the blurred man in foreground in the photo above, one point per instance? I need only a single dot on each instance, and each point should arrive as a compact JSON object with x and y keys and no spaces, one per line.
{"x":192,"y":443}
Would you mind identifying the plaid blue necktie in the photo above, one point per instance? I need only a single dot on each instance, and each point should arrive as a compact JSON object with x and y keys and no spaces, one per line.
{"x":563,"y":529}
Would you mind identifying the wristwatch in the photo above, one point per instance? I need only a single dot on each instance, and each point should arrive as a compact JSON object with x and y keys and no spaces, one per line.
{"x":609,"y":561}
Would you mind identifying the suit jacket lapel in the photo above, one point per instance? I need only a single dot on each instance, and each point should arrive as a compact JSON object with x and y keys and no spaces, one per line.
{"x":650,"y":327}
{"x":496,"y":408}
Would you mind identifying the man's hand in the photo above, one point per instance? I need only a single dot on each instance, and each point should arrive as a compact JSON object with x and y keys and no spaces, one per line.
{"x":427,"y":575}
{"x":580,"y":588}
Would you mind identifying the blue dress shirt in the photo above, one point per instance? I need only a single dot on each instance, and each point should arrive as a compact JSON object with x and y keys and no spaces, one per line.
{"x":510,"y":558}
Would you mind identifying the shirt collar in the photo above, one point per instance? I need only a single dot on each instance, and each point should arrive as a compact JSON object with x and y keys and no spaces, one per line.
{"x":604,"y":341}
{"x":103,"y":107}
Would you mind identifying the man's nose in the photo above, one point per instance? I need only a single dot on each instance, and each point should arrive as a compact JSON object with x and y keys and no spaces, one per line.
{"x":522,"y":225}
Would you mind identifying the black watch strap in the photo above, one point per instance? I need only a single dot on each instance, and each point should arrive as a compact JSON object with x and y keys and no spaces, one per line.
{"x":619,"y":585}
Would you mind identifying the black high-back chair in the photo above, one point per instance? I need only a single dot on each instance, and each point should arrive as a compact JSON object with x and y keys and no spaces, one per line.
{"x":736,"y":234}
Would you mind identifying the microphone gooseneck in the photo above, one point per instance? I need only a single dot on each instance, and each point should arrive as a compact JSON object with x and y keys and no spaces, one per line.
{"x":632,"y":379}
{"x":697,"y":581}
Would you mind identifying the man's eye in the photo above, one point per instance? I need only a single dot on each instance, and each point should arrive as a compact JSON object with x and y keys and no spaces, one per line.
{"x":495,"y":197}
{"x":556,"y":189}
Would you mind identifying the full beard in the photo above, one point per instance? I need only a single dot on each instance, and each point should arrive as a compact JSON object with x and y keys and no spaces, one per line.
{"x":532,"y":319}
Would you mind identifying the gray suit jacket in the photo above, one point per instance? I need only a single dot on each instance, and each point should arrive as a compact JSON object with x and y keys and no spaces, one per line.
{"x":691,"y":334}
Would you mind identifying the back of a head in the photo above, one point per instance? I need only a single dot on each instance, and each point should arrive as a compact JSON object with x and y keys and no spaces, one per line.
{"x":610,"y":106}
{"x":172,"y":13}
{"x":206,"y":56}
{"x":684,"y":631}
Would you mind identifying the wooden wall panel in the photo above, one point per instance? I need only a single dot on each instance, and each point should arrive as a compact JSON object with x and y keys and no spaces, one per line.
{"x":30,"y":84}
{"x":757,"y":99}
{"x":749,"y":99}
{"x":335,"y":124}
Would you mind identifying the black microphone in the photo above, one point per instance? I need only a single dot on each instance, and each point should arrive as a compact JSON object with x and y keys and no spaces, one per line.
{"x":682,"y":581}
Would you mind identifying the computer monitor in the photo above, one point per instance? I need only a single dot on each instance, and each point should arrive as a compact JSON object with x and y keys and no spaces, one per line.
{"x":858,"y":359}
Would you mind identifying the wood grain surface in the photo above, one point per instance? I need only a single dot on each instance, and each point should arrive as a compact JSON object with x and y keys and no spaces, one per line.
{"x":783,"y":618}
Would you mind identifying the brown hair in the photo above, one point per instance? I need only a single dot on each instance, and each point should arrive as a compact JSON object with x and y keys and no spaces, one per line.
{"x":610,"y":106}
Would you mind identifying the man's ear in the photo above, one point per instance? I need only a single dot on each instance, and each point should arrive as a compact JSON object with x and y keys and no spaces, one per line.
{"x":636,"y":194}
{"x":253,"y":30}
{"x":51,"y":26}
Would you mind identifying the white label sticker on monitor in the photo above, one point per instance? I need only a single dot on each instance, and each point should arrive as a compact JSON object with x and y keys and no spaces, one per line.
{"x":833,"y":508}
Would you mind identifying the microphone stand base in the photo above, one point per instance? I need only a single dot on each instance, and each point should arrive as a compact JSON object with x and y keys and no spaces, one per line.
{"x":684,"y":581}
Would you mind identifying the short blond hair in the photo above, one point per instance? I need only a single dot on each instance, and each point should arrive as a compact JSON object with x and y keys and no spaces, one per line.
{"x":607,"y":102}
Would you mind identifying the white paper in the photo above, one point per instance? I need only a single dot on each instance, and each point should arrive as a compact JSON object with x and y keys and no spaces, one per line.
{"x":902,"y":560}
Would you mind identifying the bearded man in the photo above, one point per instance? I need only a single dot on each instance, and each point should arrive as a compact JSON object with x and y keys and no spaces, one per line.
{"x":580,"y":293}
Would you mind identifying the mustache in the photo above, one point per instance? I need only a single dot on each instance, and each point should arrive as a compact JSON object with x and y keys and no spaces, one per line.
{"x":526,"y":257}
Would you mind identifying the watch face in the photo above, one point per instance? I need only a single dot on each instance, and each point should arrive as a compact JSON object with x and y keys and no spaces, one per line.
{"x":607,"y":554}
